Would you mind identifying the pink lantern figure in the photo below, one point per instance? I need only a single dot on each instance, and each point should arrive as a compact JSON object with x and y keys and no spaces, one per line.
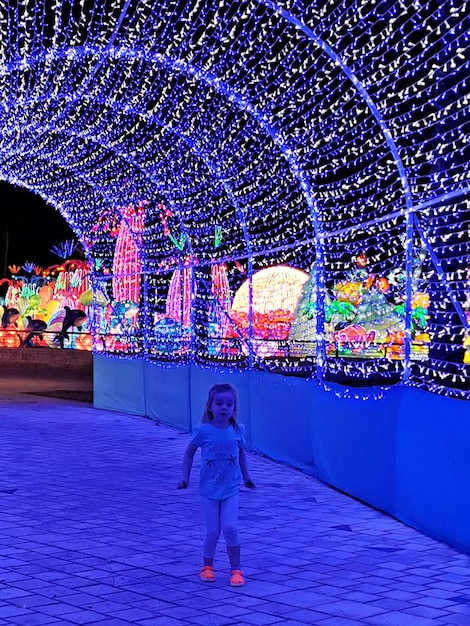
{"x":178,"y":303}
{"x":218,"y":309}
{"x":127,"y":264}
{"x":221,"y":290}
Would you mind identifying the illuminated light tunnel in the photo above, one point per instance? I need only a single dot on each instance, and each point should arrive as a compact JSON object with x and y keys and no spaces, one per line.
{"x":194,"y":145}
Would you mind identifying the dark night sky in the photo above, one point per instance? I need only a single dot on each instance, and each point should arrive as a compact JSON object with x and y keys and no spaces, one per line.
{"x":33,"y":227}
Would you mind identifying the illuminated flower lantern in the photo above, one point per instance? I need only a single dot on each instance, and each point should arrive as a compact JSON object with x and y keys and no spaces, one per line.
{"x":353,"y":339}
{"x":78,"y":279}
{"x":276,"y":293}
{"x":127,"y":264}
{"x":9,"y":338}
{"x":349,"y":291}
{"x":95,"y":303}
{"x":375,"y":313}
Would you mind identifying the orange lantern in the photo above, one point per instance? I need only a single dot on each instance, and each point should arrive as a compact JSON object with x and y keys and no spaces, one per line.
{"x":84,"y":341}
{"x":10,"y":339}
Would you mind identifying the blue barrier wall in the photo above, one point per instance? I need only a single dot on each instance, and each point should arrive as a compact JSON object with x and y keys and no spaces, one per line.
{"x":404,"y":451}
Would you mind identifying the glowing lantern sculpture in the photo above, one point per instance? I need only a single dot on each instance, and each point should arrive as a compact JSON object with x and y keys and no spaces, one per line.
{"x":275,"y":295}
{"x":219,"y":307}
{"x":178,"y":304}
{"x":127,"y":264}
{"x":295,"y":133}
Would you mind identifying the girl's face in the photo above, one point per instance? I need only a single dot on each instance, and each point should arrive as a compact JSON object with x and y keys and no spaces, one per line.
{"x":222,"y":407}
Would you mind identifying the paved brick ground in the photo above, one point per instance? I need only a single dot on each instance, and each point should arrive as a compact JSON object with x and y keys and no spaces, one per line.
{"x":93,"y":531}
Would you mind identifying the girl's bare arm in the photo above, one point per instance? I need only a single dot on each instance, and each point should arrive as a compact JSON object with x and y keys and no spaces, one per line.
{"x":187,"y":465}
{"x":244,"y":468}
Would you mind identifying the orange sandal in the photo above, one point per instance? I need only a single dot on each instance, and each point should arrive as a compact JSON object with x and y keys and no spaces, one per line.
{"x":236,"y":578}
{"x":207,"y":574}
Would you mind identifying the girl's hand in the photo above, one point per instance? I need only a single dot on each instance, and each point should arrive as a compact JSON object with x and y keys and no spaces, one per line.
{"x":182,"y":485}
{"x":250,"y":484}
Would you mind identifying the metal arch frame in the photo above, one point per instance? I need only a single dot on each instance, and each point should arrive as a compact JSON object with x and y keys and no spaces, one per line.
{"x":214,"y":83}
{"x":197,"y":150}
{"x":110,"y":200}
{"x":211,"y":167}
{"x":412,"y":219}
{"x":245,"y":105}
{"x":89,"y":181}
{"x":90,"y":77}
{"x":88,"y":137}
{"x":200,"y":154}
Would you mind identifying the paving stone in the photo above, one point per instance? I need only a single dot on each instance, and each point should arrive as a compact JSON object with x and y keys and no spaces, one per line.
{"x":261,"y":619}
{"x":83,"y":617}
{"x":348,"y":608}
{"x":456,"y":620}
{"x":337,"y":621}
{"x":407,"y":619}
{"x":34,"y":619}
{"x":306,"y":616}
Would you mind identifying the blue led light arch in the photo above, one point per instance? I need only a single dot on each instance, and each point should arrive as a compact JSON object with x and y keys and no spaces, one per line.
{"x":312,"y":168}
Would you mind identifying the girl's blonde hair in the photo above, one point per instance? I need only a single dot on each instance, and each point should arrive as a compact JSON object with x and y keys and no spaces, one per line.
{"x":214,"y":391}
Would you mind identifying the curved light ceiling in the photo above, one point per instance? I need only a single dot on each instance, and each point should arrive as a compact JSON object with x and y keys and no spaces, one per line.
{"x":324,"y":126}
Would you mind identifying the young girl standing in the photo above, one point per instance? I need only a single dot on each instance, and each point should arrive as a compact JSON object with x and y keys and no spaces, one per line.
{"x":223,"y":464}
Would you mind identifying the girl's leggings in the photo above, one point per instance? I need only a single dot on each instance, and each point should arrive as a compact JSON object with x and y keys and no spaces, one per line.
{"x":220,"y":515}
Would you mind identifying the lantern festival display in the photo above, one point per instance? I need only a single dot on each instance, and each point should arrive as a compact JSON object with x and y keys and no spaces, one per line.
{"x":264,"y":185}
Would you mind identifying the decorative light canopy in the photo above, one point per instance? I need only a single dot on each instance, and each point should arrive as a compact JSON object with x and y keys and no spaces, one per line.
{"x":325,"y":135}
